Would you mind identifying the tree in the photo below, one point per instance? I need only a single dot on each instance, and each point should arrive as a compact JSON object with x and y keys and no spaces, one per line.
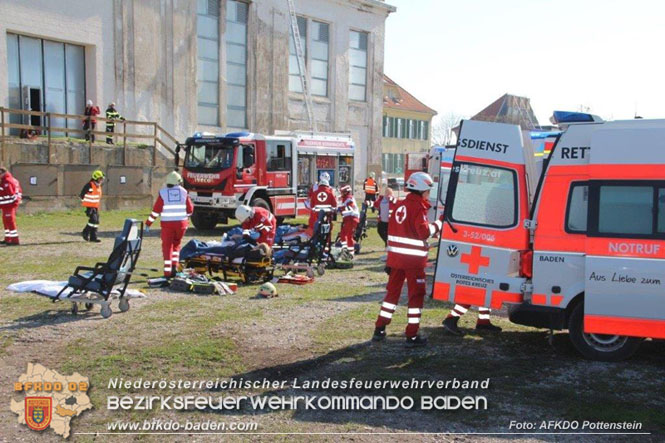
{"x":442,"y":129}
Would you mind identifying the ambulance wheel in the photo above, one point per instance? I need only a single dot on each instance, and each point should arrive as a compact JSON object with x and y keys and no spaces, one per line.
{"x":88,"y":306}
{"x":321,"y":269}
{"x":204,"y":222}
{"x":106,"y":311}
{"x":600,"y":347}
{"x":260,"y":203}
{"x":123,"y":304}
{"x":75,"y":308}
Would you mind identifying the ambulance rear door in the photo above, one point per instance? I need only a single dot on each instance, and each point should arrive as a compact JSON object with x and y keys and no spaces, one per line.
{"x":487,"y":203}
{"x":625,"y":247}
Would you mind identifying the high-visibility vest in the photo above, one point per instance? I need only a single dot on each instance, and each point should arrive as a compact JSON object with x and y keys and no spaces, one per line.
{"x":175,"y":204}
{"x":370,"y":186}
{"x":94,"y":195}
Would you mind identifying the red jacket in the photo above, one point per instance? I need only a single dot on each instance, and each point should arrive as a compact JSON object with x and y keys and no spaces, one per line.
{"x":408,"y":231}
{"x":322,"y":196}
{"x":264,"y":223}
{"x":349,"y":208}
{"x":10,"y":192}
{"x":92,"y":111}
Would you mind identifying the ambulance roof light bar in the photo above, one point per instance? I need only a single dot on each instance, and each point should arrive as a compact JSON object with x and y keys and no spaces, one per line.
{"x":565,"y":118}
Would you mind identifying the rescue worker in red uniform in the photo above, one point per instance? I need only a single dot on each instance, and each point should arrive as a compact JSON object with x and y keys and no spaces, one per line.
{"x":322,"y":196}
{"x":259,"y":220}
{"x":175,"y":207}
{"x":385,"y":205}
{"x":10,"y":197}
{"x":408,"y":231}
{"x":350,"y":219}
{"x":91,"y":197}
{"x":482,"y":324}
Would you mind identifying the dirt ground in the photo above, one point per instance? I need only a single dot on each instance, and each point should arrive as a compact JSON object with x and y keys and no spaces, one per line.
{"x":309,"y":333}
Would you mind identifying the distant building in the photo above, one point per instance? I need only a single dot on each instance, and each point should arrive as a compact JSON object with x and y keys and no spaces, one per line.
{"x":407,"y":126}
{"x":508,"y":109}
{"x":213,"y":65}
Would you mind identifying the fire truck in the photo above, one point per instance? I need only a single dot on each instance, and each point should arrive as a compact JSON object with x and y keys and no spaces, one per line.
{"x":580,"y":246}
{"x":274,"y":172}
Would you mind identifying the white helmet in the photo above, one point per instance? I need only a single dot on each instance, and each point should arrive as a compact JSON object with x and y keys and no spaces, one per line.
{"x":89,"y":103}
{"x":173,"y":178}
{"x":325,"y":176}
{"x":267,"y":290}
{"x":372,"y":174}
{"x":419,"y":181}
{"x":244,"y":212}
{"x":324,"y":182}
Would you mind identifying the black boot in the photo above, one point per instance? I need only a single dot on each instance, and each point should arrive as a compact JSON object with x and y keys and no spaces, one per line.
{"x":93,"y":235}
{"x":86,"y":233}
{"x":450,"y":326}
{"x":415,"y":341}
{"x":379,"y":334}
{"x":487,"y":327}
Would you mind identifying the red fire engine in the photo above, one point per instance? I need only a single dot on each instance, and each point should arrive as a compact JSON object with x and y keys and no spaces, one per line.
{"x":270,"y":171}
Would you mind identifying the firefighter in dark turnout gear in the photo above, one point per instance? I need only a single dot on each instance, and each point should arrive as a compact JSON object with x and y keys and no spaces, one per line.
{"x":113,"y":116}
{"x":91,"y":197}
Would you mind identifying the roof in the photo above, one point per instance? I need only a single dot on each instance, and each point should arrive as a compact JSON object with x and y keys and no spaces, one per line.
{"x":509,"y":109}
{"x":396,"y":97}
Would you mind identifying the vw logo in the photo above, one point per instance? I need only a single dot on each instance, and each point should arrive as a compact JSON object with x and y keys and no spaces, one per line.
{"x":452,"y":251}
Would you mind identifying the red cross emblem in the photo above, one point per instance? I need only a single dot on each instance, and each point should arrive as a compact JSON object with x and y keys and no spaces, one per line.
{"x":475,"y":259}
{"x":400,"y":214}
{"x":321,"y":196}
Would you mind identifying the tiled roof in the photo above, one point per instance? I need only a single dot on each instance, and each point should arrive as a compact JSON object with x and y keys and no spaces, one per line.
{"x":396,"y":97}
{"x":509,"y":109}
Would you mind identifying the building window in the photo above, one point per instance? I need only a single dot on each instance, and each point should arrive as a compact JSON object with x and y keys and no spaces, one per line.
{"x":358,"y":66}
{"x":207,"y":68}
{"x":319,"y":62}
{"x":425,"y":130}
{"x":412,"y":129}
{"x":236,"y":64}
{"x":295,"y":85}
{"x":45,"y":75}
{"x":386,"y":126}
{"x":316,"y":59}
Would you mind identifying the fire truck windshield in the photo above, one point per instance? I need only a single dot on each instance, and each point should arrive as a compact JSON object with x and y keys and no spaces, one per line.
{"x":212,"y":156}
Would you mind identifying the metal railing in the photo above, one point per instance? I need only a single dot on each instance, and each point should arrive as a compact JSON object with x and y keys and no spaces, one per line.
{"x":151,"y":132}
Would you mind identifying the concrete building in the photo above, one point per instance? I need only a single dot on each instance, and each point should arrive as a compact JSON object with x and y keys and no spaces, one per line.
{"x":407,"y":124}
{"x":214,"y":65}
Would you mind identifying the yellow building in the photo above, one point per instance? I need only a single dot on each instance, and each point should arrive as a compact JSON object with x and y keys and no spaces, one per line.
{"x":407,"y":124}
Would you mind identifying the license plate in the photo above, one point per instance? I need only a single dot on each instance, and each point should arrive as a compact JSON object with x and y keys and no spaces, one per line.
{"x":198,"y":199}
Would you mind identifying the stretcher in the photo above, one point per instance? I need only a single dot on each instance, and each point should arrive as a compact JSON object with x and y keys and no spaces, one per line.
{"x":240,"y":268}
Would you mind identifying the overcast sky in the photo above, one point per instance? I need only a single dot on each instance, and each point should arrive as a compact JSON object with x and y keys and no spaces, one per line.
{"x":460,"y":55}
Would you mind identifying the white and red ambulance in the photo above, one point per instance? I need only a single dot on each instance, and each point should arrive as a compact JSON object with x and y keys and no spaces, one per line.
{"x":275,"y":172}
{"x":580,"y":246}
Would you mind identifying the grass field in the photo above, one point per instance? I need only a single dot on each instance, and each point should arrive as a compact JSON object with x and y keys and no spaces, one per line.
{"x":309,"y":332}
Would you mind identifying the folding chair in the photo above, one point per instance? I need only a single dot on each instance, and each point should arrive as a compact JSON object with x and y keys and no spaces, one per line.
{"x":95,"y":285}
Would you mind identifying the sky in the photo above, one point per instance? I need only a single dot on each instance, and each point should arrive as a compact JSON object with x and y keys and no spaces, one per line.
{"x":458,"y":56}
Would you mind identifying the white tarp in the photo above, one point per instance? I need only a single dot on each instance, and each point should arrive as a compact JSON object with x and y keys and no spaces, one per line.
{"x":51,"y":288}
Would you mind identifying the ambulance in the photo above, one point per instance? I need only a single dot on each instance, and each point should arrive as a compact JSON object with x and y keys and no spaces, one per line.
{"x":275,"y":172}
{"x":437,"y":163}
{"x":578,"y":247}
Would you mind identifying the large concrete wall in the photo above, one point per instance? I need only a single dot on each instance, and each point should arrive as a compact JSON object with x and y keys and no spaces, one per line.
{"x":142,"y":55}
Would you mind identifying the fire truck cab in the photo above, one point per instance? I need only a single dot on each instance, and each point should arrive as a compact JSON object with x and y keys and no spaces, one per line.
{"x":586,"y":253}
{"x":274,"y":172}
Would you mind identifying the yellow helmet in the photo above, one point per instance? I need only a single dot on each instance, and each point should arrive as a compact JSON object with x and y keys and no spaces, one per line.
{"x":173,"y":178}
{"x":97,"y":175}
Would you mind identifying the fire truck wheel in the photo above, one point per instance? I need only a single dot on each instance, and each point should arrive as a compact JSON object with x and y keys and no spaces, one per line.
{"x":203,"y":222}
{"x":261,"y":203}
{"x":600,"y":347}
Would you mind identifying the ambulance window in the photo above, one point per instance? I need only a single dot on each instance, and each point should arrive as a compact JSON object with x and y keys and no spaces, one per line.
{"x":661,"y":210}
{"x":625,"y":210}
{"x":485,"y":196}
{"x":578,"y":207}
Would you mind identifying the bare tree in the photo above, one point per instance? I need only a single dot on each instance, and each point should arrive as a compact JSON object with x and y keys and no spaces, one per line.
{"x":442,"y":129}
